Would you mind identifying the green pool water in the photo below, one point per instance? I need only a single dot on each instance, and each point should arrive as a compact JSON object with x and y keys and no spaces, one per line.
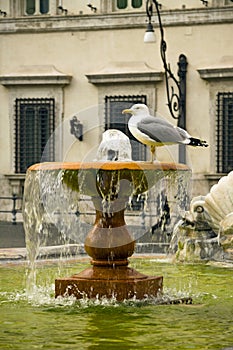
{"x":35,"y":320}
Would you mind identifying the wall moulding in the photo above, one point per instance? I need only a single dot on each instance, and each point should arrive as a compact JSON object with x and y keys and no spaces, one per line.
{"x":125,"y":72}
{"x":177,"y":17}
{"x":35,"y":75}
{"x":216,"y":73}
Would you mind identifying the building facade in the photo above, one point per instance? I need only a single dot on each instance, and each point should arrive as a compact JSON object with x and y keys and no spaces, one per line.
{"x":68,"y":65}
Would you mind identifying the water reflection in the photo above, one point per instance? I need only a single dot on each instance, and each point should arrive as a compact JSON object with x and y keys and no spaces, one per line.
{"x":40,"y":321}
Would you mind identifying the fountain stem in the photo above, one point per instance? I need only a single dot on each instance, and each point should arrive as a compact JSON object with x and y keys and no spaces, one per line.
{"x":109,"y":243}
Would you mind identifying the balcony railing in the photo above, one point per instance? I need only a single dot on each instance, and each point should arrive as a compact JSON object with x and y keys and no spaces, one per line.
{"x":16,"y":206}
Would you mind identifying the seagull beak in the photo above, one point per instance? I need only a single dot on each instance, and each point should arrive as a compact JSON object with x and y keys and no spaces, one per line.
{"x":127,"y":111}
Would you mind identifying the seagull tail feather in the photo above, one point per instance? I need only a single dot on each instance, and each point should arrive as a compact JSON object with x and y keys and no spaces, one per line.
{"x":197,"y":142}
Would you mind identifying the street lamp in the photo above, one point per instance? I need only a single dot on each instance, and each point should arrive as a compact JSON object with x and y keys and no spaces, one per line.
{"x":175,"y":88}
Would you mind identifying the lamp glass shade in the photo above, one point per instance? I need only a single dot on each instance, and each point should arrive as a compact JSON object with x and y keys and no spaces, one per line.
{"x":149,"y":36}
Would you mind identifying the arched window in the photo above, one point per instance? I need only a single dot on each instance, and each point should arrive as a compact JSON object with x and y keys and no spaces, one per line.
{"x":37,"y":7}
{"x":136,"y":3}
{"x":30,"y":7}
{"x":44,"y":6}
{"x":122,"y":4}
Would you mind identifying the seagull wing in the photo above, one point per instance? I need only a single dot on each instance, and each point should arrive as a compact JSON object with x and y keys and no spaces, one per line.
{"x":160,"y":130}
{"x":183,"y":132}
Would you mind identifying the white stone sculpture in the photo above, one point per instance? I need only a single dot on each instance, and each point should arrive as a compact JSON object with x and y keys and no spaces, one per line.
{"x":115,"y":145}
{"x":219,"y":205}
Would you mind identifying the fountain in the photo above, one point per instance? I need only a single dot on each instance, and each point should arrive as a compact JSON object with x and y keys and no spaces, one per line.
{"x":206,"y":231}
{"x":55,"y":194}
{"x":109,"y":243}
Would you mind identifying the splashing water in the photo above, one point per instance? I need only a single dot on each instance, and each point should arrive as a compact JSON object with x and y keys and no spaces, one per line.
{"x":54,"y":205}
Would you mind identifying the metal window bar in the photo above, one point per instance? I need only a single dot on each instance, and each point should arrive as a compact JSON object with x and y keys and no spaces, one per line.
{"x":115,"y":120}
{"x":224,"y":132}
{"x":14,"y":209}
{"x":34,"y":126}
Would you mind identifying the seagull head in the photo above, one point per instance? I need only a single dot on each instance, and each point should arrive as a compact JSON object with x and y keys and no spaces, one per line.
{"x":137,"y":109}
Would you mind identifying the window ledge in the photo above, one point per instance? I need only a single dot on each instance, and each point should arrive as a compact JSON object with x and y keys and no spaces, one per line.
{"x":216,"y":73}
{"x":16,"y":182}
{"x":214,"y":176}
{"x":125,"y":72}
{"x":35,"y":75}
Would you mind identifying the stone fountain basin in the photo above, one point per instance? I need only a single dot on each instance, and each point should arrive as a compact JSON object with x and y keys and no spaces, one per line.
{"x":99,"y":178}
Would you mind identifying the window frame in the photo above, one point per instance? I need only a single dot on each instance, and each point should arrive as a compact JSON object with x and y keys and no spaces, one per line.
{"x":224,"y":130}
{"x":26,"y":130}
{"x":139,"y":151}
{"x":38,"y":5}
{"x":129,"y":5}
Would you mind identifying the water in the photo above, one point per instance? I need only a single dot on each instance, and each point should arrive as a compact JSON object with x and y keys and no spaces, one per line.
{"x":60,"y":202}
{"x":35,"y":320}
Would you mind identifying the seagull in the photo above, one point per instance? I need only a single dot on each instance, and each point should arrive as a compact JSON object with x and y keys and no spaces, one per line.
{"x":154,"y":131}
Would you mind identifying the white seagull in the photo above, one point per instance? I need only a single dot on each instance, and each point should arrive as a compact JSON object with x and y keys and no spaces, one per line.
{"x":154,"y":131}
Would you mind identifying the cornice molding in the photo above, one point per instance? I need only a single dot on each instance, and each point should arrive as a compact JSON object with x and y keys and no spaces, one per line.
{"x":125,"y":72}
{"x":125,"y":78}
{"x":38,"y":24}
{"x":216,"y":73}
{"x":35,"y":75}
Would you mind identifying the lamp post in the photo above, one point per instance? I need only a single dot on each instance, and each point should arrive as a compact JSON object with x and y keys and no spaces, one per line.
{"x":175,"y":88}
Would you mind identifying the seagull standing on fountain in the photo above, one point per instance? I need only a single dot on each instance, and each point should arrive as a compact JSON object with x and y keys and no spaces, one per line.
{"x":155,"y":131}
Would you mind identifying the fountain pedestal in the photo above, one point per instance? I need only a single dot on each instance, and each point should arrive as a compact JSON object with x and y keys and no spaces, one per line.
{"x":109,"y":244}
{"x":121,"y":282}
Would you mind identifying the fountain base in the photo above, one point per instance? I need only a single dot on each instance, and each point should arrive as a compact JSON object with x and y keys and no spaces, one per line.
{"x":120,"y":282}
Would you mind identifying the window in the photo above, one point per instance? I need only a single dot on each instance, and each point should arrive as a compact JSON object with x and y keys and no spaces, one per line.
{"x":34,"y":126}
{"x":136,"y":3}
{"x":114,"y":119}
{"x":30,"y":7}
{"x":123,"y":4}
{"x":37,"y":6}
{"x":224,"y":132}
{"x":44,"y":6}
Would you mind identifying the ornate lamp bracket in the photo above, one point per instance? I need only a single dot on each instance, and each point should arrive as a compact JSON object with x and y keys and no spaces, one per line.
{"x":175,"y":89}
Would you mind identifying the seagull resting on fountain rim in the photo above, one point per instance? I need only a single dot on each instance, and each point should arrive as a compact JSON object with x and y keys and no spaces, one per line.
{"x":154,"y":131}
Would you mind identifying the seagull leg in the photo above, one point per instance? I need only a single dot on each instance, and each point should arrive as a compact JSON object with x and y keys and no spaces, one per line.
{"x":152,"y":149}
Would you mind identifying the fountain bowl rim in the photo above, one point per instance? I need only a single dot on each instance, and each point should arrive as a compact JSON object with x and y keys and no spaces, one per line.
{"x":106,"y":165}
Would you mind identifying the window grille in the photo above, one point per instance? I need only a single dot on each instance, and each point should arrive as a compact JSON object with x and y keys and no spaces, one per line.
{"x":34,"y":126}
{"x":114,"y":119}
{"x":224,"y":132}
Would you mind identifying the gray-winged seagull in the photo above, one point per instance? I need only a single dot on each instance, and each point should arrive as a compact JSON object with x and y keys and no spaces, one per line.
{"x":155,"y":131}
